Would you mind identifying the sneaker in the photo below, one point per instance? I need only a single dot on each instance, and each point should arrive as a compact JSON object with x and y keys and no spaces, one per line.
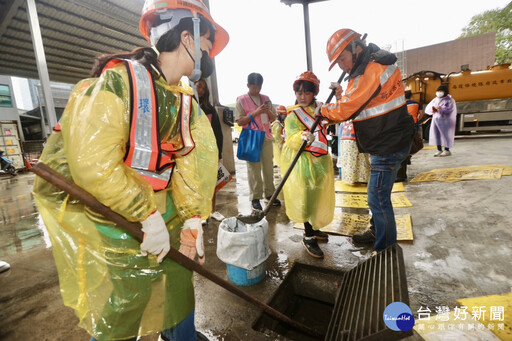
{"x":446,"y":153}
{"x":366,"y":237}
{"x":319,"y":235}
{"x":4,"y":266}
{"x":311,"y":246}
{"x":217,"y":216}
{"x":256,"y":205}
{"x":373,"y":254}
{"x":275,"y":203}
{"x":438,"y":153}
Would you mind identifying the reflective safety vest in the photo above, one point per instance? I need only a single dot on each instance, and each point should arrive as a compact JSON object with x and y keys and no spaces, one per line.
{"x":319,"y":146}
{"x":375,"y":101}
{"x":347,"y":132}
{"x":250,"y":106}
{"x":413,"y":107}
{"x":145,"y":154}
{"x":388,"y":99}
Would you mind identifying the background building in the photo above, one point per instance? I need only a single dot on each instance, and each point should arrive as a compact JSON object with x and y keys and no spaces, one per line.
{"x":474,"y":53}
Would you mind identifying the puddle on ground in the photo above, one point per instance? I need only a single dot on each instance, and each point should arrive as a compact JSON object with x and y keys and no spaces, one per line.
{"x":21,"y":225}
{"x":277,"y":266}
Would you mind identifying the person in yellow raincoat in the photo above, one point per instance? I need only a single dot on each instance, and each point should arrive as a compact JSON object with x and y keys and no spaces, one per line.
{"x":278,"y":133}
{"x":309,"y":190}
{"x":133,"y":137}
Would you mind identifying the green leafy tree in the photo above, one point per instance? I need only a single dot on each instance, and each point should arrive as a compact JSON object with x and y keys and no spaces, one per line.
{"x":499,"y":21}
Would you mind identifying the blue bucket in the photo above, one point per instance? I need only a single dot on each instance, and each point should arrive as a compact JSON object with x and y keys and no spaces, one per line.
{"x":243,"y":277}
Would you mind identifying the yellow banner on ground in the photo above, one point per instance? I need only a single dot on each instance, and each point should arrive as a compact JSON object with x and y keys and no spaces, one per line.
{"x":429,"y":147}
{"x":490,"y":172}
{"x":341,"y":186}
{"x":493,"y":312}
{"x":347,"y":224}
{"x":361,"y":200}
{"x":448,"y":325}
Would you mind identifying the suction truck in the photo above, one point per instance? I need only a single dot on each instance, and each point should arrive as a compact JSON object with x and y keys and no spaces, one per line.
{"x":484,"y":98}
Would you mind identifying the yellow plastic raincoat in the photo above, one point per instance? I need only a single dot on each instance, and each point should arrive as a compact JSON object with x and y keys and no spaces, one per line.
{"x":277,"y":129}
{"x":115,"y":292}
{"x":309,"y":191}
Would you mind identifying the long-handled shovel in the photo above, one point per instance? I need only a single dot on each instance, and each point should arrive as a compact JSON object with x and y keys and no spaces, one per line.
{"x":257,"y":215}
{"x":134,"y":229}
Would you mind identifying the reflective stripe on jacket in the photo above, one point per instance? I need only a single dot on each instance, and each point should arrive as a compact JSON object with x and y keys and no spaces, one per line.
{"x":319,"y":146}
{"x":413,"y":108}
{"x":376,"y":103}
{"x":145,"y":154}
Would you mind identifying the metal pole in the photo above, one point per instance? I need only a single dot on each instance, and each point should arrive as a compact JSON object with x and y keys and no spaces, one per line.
{"x":308,"y":37}
{"x":42,"y":68}
{"x":212,"y":81}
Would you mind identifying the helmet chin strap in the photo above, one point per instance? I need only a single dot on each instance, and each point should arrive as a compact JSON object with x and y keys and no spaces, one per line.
{"x":196,"y":74}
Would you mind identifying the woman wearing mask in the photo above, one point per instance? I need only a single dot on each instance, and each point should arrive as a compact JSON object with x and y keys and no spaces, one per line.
{"x":444,"y":116}
{"x":309,"y":191}
{"x":132,"y":137}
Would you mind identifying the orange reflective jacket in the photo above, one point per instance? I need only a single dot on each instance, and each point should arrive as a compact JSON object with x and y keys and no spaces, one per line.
{"x":413,"y":108}
{"x":376,"y":103}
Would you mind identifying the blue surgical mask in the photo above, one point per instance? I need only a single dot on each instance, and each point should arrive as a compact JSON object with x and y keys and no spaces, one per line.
{"x":440,"y":94}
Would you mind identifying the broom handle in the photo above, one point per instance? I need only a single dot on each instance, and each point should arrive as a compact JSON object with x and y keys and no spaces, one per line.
{"x":299,"y":152}
{"x":134,"y":229}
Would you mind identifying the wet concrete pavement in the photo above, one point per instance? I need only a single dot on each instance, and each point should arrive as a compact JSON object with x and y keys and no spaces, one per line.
{"x":462,"y":248}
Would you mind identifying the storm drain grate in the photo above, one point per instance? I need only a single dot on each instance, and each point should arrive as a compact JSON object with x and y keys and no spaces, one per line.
{"x":364,"y":294}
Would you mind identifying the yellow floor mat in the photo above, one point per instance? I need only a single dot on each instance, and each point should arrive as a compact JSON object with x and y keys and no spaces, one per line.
{"x":341,"y":186}
{"x":477,"y":318}
{"x":495,"y":312}
{"x":347,"y":224}
{"x":429,"y":147}
{"x":361,"y":200}
{"x":449,"y":326}
{"x":486,"y":172}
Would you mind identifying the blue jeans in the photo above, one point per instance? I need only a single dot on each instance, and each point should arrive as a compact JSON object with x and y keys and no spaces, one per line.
{"x":184,"y":331}
{"x":382,"y":177}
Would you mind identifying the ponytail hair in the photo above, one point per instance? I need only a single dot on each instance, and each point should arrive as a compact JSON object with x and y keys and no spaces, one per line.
{"x":143,"y":55}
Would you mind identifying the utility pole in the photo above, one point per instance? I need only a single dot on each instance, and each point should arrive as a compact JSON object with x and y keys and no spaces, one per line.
{"x":305,"y":6}
{"x":42,"y":68}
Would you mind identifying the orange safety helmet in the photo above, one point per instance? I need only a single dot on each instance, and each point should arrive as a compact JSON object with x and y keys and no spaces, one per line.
{"x":184,"y":9}
{"x":338,"y":42}
{"x":309,"y":77}
{"x":281,"y":109}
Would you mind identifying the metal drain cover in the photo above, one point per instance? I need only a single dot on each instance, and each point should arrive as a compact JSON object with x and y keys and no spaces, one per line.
{"x":365,"y":292}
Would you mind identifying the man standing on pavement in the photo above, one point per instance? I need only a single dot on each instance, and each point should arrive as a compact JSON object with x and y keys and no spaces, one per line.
{"x":257,"y":107}
{"x":375,"y":101}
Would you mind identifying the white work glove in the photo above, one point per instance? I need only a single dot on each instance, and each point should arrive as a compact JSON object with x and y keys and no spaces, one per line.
{"x":156,"y":237}
{"x":192,"y":239}
{"x":308,"y":137}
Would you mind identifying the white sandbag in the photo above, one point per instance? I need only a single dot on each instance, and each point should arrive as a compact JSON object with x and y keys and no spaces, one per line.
{"x":243,"y":245}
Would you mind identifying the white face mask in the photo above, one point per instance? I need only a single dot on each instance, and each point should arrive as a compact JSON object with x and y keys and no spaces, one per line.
{"x":440,"y":94}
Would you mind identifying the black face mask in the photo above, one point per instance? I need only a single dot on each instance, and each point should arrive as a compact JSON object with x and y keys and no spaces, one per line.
{"x":206,"y":65}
